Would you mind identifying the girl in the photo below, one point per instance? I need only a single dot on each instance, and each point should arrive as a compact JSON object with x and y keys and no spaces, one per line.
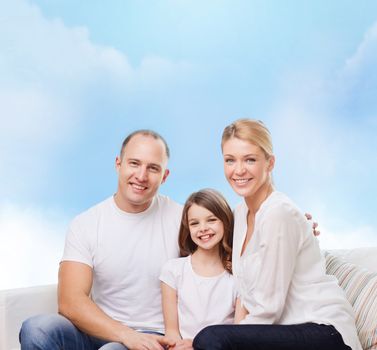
{"x":289,"y":302}
{"x":198,"y":288}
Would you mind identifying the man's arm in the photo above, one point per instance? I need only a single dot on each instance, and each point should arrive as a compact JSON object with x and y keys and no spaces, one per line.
{"x":75,"y":283}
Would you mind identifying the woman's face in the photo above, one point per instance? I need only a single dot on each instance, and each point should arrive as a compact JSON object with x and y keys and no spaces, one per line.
{"x":246,"y":167}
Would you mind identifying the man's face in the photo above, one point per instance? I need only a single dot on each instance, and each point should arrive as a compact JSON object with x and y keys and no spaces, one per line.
{"x":141,"y":171}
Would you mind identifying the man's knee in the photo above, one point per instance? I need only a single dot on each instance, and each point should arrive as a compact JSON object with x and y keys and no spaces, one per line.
{"x":209,"y":338}
{"x":37,"y":332}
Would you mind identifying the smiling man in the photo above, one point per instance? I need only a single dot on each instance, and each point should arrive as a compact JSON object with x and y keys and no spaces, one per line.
{"x":109,"y":292}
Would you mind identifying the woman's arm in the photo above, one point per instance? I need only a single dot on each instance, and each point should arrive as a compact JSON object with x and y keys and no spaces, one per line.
{"x":240,"y":312}
{"x":170,"y":312}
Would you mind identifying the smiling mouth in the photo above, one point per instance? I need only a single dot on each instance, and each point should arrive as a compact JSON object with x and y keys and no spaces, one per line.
{"x":138,"y":187}
{"x":241,"y":181}
{"x":206,"y":237}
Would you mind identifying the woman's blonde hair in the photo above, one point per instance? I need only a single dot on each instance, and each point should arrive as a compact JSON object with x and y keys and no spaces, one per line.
{"x":253,"y":131}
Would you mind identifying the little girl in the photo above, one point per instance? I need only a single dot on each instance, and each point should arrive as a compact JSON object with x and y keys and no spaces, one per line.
{"x":198,"y":289}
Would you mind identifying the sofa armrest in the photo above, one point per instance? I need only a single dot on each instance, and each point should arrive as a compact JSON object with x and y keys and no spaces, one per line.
{"x":16,"y":305}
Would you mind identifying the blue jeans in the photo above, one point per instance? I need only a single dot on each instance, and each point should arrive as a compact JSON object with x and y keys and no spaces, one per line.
{"x":306,"y":336}
{"x":55,"y":332}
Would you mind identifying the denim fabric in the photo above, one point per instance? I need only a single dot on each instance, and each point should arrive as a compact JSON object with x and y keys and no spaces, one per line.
{"x":55,"y":332}
{"x":113,"y":346}
{"x":307,"y":336}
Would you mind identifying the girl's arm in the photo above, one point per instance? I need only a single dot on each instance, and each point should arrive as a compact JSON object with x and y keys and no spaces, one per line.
{"x":240,"y":312}
{"x":170,"y":312}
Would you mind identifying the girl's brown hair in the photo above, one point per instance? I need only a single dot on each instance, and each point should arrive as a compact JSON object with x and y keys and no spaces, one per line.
{"x":216,"y":204}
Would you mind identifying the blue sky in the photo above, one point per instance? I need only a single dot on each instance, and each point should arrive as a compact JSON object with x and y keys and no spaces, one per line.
{"x":76,"y":77}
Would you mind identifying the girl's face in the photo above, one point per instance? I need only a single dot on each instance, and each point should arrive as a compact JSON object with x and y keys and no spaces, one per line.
{"x":246,"y":167}
{"x":206,"y":229}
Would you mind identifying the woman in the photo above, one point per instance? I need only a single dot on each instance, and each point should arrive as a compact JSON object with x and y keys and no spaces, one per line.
{"x":287,"y":300}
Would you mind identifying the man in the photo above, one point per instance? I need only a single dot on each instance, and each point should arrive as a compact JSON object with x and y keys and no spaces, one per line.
{"x":108,"y":290}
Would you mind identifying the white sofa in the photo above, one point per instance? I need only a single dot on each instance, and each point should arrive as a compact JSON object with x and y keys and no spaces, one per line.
{"x":18,"y":304}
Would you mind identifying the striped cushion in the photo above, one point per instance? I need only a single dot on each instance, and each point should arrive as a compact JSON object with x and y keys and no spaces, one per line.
{"x":360,"y":287}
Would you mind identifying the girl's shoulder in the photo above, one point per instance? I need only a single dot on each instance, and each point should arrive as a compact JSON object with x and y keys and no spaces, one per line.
{"x":173,"y":271}
{"x":176,"y":264}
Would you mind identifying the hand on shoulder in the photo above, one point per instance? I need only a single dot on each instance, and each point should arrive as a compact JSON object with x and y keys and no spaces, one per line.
{"x":316,"y":232}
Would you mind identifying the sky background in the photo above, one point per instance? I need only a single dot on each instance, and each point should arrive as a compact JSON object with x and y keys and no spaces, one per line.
{"x":77,"y":77}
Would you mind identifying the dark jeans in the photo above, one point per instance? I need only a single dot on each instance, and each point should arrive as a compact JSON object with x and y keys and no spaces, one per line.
{"x":306,"y":336}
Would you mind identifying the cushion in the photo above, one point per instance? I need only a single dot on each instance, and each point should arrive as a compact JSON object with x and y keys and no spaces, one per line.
{"x":360,"y":286}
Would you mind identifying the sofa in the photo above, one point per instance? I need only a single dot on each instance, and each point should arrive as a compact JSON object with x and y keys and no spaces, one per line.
{"x":356,"y":271}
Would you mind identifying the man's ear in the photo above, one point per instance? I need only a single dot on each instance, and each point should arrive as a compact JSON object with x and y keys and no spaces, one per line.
{"x":166,"y":174}
{"x":118,"y":162}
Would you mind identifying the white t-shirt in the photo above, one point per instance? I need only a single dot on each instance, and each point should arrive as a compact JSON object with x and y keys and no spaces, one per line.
{"x":202,"y":301}
{"x":281,"y":275}
{"x":126,"y":252}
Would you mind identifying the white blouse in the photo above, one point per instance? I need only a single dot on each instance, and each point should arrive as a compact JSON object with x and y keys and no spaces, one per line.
{"x":202,"y":301}
{"x":281,"y":274}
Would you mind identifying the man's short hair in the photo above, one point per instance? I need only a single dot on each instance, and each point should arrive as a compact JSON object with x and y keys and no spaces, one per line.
{"x":144,"y":132}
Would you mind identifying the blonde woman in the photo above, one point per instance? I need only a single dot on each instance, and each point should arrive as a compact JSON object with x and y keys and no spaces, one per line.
{"x":287,"y":300}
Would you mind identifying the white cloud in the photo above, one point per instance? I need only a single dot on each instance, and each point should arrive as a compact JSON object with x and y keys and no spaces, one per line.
{"x":324,"y":131}
{"x":365,"y":55}
{"x":357,"y":81}
{"x":31,"y":245}
{"x":46,"y":68}
{"x":51,"y":76}
{"x":37,"y":51}
{"x":41,"y":49}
